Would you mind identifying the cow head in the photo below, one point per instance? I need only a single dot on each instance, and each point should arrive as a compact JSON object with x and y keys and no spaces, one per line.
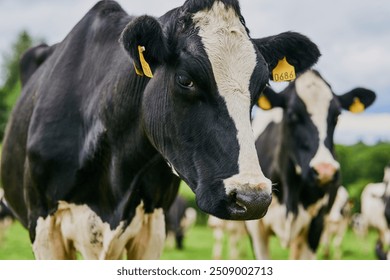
{"x":310,"y":114}
{"x":207,"y":75}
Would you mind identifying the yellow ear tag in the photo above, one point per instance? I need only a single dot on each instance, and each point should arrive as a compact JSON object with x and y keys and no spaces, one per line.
{"x":138,"y":71}
{"x":283,"y":71}
{"x":264,"y":103}
{"x":357,"y":106}
{"x":145,"y":66}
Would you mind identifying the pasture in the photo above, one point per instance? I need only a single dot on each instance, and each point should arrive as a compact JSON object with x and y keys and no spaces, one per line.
{"x":199,"y":240}
{"x":198,"y":246}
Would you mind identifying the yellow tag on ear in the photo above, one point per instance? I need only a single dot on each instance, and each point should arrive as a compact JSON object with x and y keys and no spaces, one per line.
{"x":283,"y":71}
{"x":145,"y":66}
{"x":264,"y":103}
{"x":138,"y":71}
{"x":357,"y":106}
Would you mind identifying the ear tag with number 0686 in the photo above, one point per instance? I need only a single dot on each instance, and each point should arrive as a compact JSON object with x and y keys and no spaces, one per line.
{"x":283,"y":72}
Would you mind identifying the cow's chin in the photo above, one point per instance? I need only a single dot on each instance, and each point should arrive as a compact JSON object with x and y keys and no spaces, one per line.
{"x":238,"y":206}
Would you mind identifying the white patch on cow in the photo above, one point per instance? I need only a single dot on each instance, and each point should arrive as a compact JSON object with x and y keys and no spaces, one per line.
{"x":172,"y":169}
{"x":317,"y":95}
{"x":342,"y":197}
{"x":386,"y":180}
{"x":78,"y":228}
{"x":264,"y":118}
{"x":233,"y":60}
{"x":298,"y":169}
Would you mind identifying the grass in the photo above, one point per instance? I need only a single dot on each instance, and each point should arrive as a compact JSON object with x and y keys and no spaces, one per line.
{"x":198,"y":246}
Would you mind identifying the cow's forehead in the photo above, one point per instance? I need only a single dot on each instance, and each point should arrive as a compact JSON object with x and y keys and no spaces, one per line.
{"x":314,"y":92}
{"x":231,"y":53}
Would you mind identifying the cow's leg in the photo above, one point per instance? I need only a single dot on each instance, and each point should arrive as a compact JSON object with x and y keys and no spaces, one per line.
{"x":338,"y":240}
{"x":218,"y":243}
{"x":234,"y":238}
{"x":260,"y":238}
{"x":49,"y":243}
{"x":300,"y":249}
{"x":149,"y":242}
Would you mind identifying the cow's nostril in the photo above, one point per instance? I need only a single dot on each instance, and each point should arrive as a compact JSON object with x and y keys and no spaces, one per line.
{"x":250,"y":204}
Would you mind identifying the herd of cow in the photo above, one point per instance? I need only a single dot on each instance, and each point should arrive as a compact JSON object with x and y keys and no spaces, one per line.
{"x":113,"y":117}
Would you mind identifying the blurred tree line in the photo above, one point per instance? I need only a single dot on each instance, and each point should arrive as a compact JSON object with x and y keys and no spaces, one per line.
{"x":10,"y":88}
{"x":362,"y":164}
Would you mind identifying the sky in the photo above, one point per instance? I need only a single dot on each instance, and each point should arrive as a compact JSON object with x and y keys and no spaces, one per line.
{"x":353,"y":37}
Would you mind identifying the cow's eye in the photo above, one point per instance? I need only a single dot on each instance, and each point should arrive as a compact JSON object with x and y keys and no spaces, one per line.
{"x":184,"y":81}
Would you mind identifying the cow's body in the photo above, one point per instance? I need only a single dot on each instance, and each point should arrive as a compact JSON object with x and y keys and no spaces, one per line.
{"x":297,"y":153}
{"x":336,"y":224}
{"x":374,"y":204}
{"x":122,"y":101}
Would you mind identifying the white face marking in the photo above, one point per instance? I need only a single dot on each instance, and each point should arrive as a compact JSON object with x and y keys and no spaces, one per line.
{"x":316,"y":95}
{"x":94,"y":239}
{"x":233,"y":60}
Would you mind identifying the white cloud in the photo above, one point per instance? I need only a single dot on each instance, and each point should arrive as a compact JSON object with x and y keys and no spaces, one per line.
{"x":367,"y":128}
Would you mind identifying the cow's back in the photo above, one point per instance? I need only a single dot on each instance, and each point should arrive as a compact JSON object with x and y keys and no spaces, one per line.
{"x":52,"y":124}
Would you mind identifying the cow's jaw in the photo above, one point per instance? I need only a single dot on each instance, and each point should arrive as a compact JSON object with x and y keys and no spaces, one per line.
{"x":233,"y":60}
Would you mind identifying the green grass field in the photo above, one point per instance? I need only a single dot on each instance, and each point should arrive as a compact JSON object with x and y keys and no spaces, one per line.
{"x":198,"y":244}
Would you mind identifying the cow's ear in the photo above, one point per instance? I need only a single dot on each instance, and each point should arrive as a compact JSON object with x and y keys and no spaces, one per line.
{"x":298,"y":50}
{"x":357,"y":100}
{"x":270,"y":99}
{"x":144,"y":40}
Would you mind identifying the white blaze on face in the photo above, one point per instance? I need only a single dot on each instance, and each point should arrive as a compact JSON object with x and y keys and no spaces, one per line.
{"x":233,"y":60}
{"x":316,"y":95}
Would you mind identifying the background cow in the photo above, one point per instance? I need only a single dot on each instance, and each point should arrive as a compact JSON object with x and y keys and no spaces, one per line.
{"x":179,"y":220}
{"x":101,"y":125}
{"x":234,"y":231}
{"x":296,"y":149}
{"x":336,"y":224}
{"x":374,"y":201}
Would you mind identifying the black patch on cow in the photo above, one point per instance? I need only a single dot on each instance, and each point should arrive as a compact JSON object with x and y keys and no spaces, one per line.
{"x":315,"y":229}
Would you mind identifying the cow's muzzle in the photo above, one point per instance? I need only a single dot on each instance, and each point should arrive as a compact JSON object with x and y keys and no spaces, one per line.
{"x":249,"y":203}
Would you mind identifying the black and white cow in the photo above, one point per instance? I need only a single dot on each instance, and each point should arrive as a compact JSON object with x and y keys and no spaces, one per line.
{"x":296,"y":149}
{"x":122,"y":103}
{"x":375,"y":204}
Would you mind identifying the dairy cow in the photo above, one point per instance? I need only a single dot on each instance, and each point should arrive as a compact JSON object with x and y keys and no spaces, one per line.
{"x":375,"y":200}
{"x":296,"y":148}
{"x":121,"y":105}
